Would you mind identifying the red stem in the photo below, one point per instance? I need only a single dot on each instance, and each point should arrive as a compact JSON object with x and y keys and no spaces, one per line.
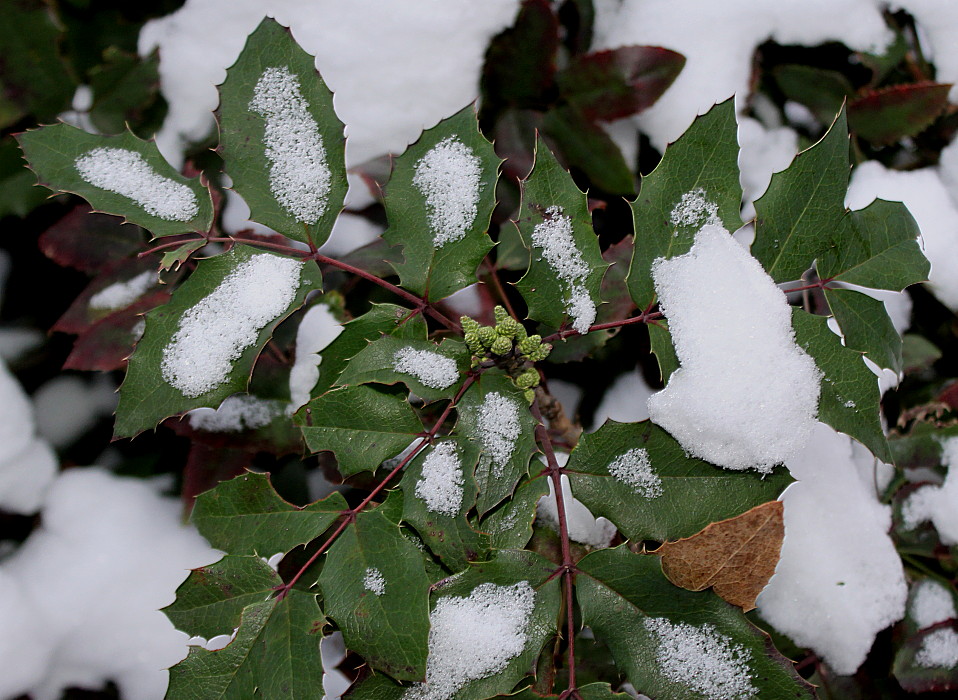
{"x":820,"y":284}
{"x":644,"y":317}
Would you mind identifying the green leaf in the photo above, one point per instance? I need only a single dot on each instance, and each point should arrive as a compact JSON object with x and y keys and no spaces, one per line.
{"x":898,"y":111}
{"x":124,"y":87}
{"x":510,"y":525}
{"x":275,"y":654}
{"x":174,"y":259}
{"x":918,"y":678}
{"x":877,"y":248}
{"x":657,"y":507}
{"x":126,"y":176}
{"x":210,"y":601}
{"x":570,"y":268}
{"x":592,"y":691}
{"x":361,"y":425}
{"x":430,"y":501}
{"x":660,"y":340}
{"x":701,"y":169}
{"x":626,"y":600}
{"x":866,"y":326}
{"x":439,"y":202}
{"x":296,"y":186}
{"x":822,"y":91}
{"x":918,"y":353}
{"x":849,"y":401}
{"x":147,"y":395}
{"x":375,"y":588}
{"x":19,"y":193}
{"x":797,"y":217}
{"x":494,"y":415}
{"x":389,"y":360}
{"x":246,"y":516}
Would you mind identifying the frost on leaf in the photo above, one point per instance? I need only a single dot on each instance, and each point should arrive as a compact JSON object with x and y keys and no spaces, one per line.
{"x":695,"y":210}
{"x":635,"y":469}
{"x":450,"y":177}
{"x":374,"y":582}
{"x":432,"y":369}
{"x":299,"y":176}
{"x":554,"y":237}
{"x":499,"y":428}
{"x":213,"y":333}
{"x":128,"y":174}
{"x":474,"y":637}
{"x":442,"y":480}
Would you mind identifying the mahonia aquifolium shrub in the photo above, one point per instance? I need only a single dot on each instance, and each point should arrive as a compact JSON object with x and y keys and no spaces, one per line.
{"x":437,"y":577}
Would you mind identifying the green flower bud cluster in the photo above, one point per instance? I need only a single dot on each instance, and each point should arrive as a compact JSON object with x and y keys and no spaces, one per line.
{"x":500,"y":339}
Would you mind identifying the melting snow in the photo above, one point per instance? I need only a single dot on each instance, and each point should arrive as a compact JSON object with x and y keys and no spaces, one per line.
{"x":695,"y":210}
{"x":554,"y":237}
{"x":236,"y":413}
{"x":432,"y":369}
{"x":441,"y":483}
{"x":450,"y":177}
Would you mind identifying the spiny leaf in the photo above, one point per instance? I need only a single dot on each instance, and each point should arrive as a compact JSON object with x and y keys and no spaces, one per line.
{"x":734,"y":557}
{"x":19,"y":193}
{"x":361,"y":425}
{"x":174,"y":259}
{"x":439,"y":202}
{"x":376,"y":590}
{"x":695,"y":183}
{"x":510,"y":525}
{"x":655,"y":480}
{"x":246,"y":516}
{"x":866,"y":326}
{"x":282,"y":143}
{"x":822,"y":91}
{"x":850,"y":397}
{"x":631,"y":606}
{"x":123,"y":175}
{"x":660,"y":341}
{"x":147,"y":395}
{"x":893,"y":113}
{"x":88,"y":241}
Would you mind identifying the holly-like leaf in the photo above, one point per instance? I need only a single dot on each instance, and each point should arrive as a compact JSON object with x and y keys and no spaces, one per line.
{"x":674,"y":644}
{"x":19,"y":193}
{"x":617,"y":304}
{"x":439,"y":202}
{"x":120,"y":175}
{"x":822,"y":91}
{"x":494,"y":415}
{"x":246,"y":516}
{"x":124,"y":87}
{"x":866,"y":326}
{"x":877,"y":248}
{"x":660,"y":341}
{"x":617,"y":83}
{"x":695,"y":183}
{"x":376,"y":590}
{"x":849,"y":395}
{"x":918,"y":353}
{"x":281,"y":141}
{"x":429,"y":370}
{"x":639,"y":477}
{"x":510,"y":525}
{"x":734,"y":557}
{"x":438,"y":494}
{"x":275,"y":654}
{"x":566,"y":263}
{"x":174,"y":259}
{"x":797,"y":217}
{"x":361,"y":425}
{"x":591,"y":691}
{"x":89,"y":241}
{"x":210,"y":601}
{"x":893,"y":113}
{"x":201,"y":347}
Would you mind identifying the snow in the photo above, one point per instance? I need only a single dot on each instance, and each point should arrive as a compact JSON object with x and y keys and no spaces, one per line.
{"x":121,"y":294}
{"x":213,"y":334}
{"x":834,"y":593}
{"x":746,"y":395}
{"x":626,"y":401}
{"x":931,"y":603}
{"x":128,"y":174}
{"x":635,"y":469}
{"x":762,"y":152}
{"x":583,"y":527}
{"x":69,"y":405}
{"x":474,"y":637}
{"x":939,"y":649}
{"x":432,"y":369}
{"x":81,"y":597}
{"x":441,"y":483}
{"x":450,"y":178}
{"x":695,"y":209}
{"x":299,"y":177}
{"x":939,"y":504}
{"x":235,"y":414}
{"x":374,"y":582}
{"x":316,"y":331}
{"x":553,"y":236}
{"x":333,"y":651}
{"x":499,"y":428}
{"x":703,"y":659}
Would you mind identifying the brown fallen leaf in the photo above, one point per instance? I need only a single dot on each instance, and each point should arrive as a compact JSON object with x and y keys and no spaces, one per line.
{"x":736,"y":557}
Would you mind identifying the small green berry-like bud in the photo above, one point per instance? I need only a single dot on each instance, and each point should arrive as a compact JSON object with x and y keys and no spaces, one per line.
{"x":530,"y":344}
{"x":487,"y":336}
{"x":520,"y":332}
{"x":473,"y":342}
{"x":528,"y":379}
{"x":501,"y":346}
{"x":508,"y":327}
{"x":540,"y":353}
{"x":469,"y":325}
{"x":530,"y":395}
{"x":500,"y":313}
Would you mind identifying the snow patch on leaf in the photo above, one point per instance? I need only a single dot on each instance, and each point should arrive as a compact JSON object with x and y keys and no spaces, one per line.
{"x":499,"y":428}
{"x":450,"y":177}
{"x":442,"y":480}
{"x":432,"y":369}
{"x":635,"y":469}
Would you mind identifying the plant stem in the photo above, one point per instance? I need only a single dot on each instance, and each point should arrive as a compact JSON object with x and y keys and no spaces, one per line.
{"x":646,"y":316}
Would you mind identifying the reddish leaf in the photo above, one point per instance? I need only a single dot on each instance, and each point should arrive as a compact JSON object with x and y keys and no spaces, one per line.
{"x":609,"y":85}
{"x":207,"y":466}
{"x":949,"y":395}
{"x":916,"y":677}
{"x":887,"y":115}
{"x":615,"y":293}
{"x":90,"y":241}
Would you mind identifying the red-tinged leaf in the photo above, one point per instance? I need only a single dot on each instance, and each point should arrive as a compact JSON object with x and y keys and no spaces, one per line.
{"x":279,"y":437}
{"x":208,"y":465}
{"x":107,"y":344}
{"x":614,"y":291}
{"x":609,"y":85}
{"x":174,"y":259}
{"x":90,"y":241}
{"x":890,"y":114}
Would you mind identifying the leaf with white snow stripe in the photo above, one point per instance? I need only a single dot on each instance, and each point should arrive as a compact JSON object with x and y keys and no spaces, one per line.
{"x":639,"y":477}
{"x":361,"y":425}
{"x":674,"y":644}
{"x":200,"y":347}
{"x":245,"y":515}
{"x":439,"y":202}
{"x":866,"y":326}
{"x":375,"y":588}
{"x":566,"y":264}
{"x":282,"y":143}
{"x":695,"y":183}
{"x":120,"y":175}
